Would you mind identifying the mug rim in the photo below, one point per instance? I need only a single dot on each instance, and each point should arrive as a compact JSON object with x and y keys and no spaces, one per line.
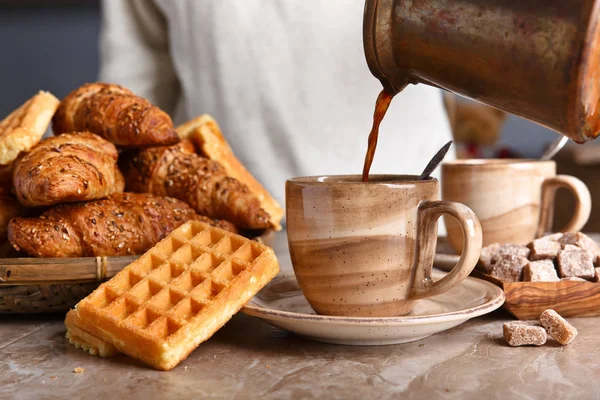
{"x":496,"y":163}
{"x":356,"y":179}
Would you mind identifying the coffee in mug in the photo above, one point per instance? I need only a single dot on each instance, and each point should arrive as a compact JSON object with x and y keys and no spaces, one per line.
{"x":367,"y":248}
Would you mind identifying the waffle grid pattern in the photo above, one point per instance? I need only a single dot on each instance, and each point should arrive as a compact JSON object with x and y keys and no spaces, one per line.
{"x":176,"y":281}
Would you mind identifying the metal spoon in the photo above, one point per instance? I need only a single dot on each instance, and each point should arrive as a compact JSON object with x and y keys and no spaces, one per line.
{"x":435,"y":161}
{"x":554,"y":148}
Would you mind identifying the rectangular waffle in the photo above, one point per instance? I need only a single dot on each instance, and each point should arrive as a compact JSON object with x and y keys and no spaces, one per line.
{"x":177,"y":295}
{"x":90,"y":343}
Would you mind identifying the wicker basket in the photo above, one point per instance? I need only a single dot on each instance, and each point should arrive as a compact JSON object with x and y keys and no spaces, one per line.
{"x":35,"y":285}
{"x":29,"y":299}
{"x":47,"y":285}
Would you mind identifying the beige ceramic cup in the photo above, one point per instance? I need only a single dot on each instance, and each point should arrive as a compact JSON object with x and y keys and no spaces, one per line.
{"x":513,"y":198}
{"x":366,"y":249}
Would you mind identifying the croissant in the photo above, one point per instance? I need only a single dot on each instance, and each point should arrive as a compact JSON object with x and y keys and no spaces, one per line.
{"x":205,"y":133}
{"x":200,"y":182}
{"x":124,"y":223}
{"x":116,"y":114}
{"x":66,"y":169}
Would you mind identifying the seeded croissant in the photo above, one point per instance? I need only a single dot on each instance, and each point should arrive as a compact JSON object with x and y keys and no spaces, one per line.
{"x":116,"y":114}
{"x":122,"y":224}
{"x":202,"y":183}
{"x":66,"y":169}
{"x":205,"y":133}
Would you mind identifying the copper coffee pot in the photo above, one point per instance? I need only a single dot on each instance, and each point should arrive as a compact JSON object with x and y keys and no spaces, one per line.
{"x":538,"y":59}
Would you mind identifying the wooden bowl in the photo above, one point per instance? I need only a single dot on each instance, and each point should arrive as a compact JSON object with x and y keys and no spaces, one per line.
{"x":527,"y":300}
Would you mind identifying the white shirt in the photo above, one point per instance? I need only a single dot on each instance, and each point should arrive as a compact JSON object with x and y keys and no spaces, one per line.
{"x":286,"y":80}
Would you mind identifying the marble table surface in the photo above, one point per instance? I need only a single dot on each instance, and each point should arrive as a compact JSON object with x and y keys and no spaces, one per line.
{"x":250,"y":359}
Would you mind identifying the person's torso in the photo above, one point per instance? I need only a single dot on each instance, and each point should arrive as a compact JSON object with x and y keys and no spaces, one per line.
{"x":288,"y":83}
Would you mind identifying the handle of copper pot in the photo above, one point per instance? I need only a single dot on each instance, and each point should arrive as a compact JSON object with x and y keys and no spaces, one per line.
{"x":583,"y":203}
{"x":428,"y":214}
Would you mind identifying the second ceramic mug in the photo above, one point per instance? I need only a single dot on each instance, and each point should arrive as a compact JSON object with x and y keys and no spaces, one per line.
{"x":513,"y":199}
{"x":366,"y":249}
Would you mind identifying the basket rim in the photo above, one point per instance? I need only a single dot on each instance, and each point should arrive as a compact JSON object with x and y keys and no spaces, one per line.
{"x":19,"y":271}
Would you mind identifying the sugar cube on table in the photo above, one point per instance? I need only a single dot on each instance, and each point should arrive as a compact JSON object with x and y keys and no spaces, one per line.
{"x":558,"y":327}
{"x":509,"y":268}
{"x":522,"y":333}
{"x":574,"y":261}
{"x":597,"y":274}
{"x":543,"y":249}
{"x":582,"y":241}
{"x":540,"y":271}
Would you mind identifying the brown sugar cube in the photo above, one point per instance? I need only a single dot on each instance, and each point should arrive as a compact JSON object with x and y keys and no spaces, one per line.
{"x":597,"y":274}
{"x":509,"y":268}
{"x":555,"y":237}
{"x":540,"y":271}
{"x":582,"y":241}
{"x":543,"y":249}
{"x":510,"y":250}
{"x":522,"y":333}
{"x":485,"y":259}
{"x":558,"y":327}
{"x":573,"y":278}
{"x":573,"y":261}
{"x":494,"y":252}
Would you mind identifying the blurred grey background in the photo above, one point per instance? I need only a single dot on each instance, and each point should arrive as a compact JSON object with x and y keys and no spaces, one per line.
{"x":46,"y":45}
{"x":52,"y":45}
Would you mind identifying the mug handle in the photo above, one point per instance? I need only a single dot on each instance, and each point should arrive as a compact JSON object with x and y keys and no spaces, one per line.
{"x":428,"y":214}
{"x":583,"y":203}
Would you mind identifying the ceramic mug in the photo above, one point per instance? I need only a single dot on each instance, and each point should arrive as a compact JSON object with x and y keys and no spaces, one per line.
{"x":366,"y":249}
{"x":513,"y":199}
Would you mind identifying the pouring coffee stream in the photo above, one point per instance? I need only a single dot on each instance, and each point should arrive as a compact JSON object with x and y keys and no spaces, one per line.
{"x":381,"y":105}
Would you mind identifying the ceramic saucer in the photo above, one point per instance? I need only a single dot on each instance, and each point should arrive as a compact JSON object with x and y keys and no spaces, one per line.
{"x":282,"y":305}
